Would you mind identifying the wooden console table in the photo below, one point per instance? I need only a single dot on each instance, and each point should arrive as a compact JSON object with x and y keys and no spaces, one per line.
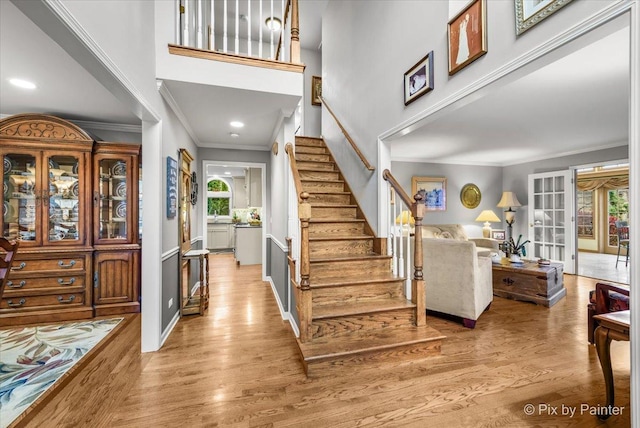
{"x":197,"y":304}
{"x":529,"y":282}
{"x":613,"y":326}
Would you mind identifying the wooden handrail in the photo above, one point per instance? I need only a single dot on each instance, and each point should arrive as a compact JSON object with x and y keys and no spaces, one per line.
{"x":284,"y":24}
{"x":288,"y":148}
{"x":386,"y":174}
{"x":348,"y":137}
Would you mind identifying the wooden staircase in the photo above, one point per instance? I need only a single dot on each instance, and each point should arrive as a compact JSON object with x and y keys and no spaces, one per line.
{"x":354,"y":310}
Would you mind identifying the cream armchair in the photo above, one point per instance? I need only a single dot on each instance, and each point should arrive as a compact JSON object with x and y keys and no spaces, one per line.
{"x":457,"y":272}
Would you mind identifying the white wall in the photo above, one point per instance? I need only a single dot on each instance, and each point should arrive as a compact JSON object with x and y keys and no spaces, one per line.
{"x":312,"y":114}
{"x":367,"y":48}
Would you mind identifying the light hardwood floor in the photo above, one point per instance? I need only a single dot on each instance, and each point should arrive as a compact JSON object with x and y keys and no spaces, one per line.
{"x":238,"y":366}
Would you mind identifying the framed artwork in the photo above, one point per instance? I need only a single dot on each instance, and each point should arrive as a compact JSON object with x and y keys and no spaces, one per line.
{"x":419,"y":79}
{"x":531,"y":12}
{"x":172,"y":187}
{"x":498,"y":234}
{"x":433,"y":190}
{"x":316,"y":90}
{"x":467,"y":36}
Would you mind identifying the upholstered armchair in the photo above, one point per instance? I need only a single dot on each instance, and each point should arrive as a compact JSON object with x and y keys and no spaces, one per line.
{"x":457,"y":272}
{"x":604,"y":299}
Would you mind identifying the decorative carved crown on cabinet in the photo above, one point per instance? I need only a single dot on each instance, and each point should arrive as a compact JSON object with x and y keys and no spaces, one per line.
{"x":73,"y":204}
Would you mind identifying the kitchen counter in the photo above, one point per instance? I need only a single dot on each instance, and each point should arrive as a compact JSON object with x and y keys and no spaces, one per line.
{"x":241,"y":225}
{"x":248,"y":250}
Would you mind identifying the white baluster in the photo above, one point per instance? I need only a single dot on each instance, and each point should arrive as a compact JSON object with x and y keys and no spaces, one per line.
{"x":178,"y":27}
{"x":249,"y":28}
{"x":281,"y":56}
{"x":395,"y":240}
{"x":212,"y":28}
{"x":401,"y":243}
{"x":237,"y":27}
{"x":185,"y":22}
{"x":224,"y":28}
{"x":271,"y":31}
{"x":389,"y":233}
{"x":408,"y":270}
{"x":199,"y":20}
{"x":260,"y":41}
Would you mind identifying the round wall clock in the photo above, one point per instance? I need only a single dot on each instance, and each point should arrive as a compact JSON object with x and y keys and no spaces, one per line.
{"x":470,"y":196}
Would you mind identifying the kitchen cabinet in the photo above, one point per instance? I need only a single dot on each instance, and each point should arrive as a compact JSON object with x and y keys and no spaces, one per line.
{"x":253,"y":185}
{"x":219,"y":236}
{"x":239,"y":193}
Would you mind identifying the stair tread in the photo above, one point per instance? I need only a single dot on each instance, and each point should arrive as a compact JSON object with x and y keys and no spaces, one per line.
{"x":364,"y":307}
{"x":325,"y":205}
{"x":346,"y":257}
{"x":335,"y":220}
{"x":336,"y":281}
{"x":340,"y":238}
{"x":315,"y":180}
{"x":317,"y":161}
{"x":341,"y":192}
{"x":303,"y":168}
{"x":360,"y":342}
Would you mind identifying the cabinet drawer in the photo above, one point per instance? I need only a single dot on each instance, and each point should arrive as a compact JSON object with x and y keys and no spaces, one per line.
{"x":50,"y":282}
{"x":54,"y":264}
{"x":43,"y":302}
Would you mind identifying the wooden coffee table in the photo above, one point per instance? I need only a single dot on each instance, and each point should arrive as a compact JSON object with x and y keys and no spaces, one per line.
{"x":529,"y":282}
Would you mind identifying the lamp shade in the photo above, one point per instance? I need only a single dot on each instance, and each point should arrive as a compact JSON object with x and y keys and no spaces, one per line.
{"x":509,"y":199}
{"x":488,"y":215}
{"x":405,"y":217}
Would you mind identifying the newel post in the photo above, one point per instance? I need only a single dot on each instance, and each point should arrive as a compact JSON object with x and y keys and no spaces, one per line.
{"x":417,"y":282}
{"x":295,"y":34}
{"x":304,"y":307}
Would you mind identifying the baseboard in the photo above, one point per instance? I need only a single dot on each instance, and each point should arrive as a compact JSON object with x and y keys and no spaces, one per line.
{"x":294,"y":326}
{"x":284,"y":314}
{"x":169,"y":329}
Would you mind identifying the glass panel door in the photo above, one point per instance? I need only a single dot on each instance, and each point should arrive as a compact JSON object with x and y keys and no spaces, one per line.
{"x":20,"y":201}
{"x":550,"y":217}
{"x":63,"y":198}
{"x":112,"y":198}
{"x":618,"y":210}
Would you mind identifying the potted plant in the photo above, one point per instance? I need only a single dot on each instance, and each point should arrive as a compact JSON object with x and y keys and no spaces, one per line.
{"x":515,"y":249}
{"x":235,"y":218}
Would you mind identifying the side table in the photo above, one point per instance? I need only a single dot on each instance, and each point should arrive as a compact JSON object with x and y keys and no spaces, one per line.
{"x":198,"y":304}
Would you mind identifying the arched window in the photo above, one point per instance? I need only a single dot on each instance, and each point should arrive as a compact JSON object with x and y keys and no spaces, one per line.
{"x":218,"y":198}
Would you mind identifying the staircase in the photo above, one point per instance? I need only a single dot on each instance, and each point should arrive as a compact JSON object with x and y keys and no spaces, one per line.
{"x":357,"y":311}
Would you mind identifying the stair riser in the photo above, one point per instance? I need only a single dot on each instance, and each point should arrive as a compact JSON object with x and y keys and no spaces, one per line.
{"x":317,"y":175}
{"x":337,"y":229}
{"x":316,"y":165}
{"x":349,"y":268}
{"x":334,"y":327}
{"x":341,"y":247}
{"x":357,"y":293}
{"x":346,"y":364}
{"x":315,"y":142}
{"x":329,"y":199}
{"x":333,"y":212}
{"x":314,"y":150}
{"x":312,"y":157}
{"x":319,"y":186}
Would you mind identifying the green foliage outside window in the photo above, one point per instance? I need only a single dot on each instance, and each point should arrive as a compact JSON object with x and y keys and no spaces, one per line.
{"x":218,"y":206}
{"x":217,"y":186}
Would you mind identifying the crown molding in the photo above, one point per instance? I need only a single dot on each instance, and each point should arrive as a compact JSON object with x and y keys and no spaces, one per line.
{"x":173,"y":104}
{"x":104,"y":126}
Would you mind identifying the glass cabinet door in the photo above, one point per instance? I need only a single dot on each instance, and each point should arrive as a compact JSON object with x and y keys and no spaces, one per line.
{"x":62,"y":197}
{"x":20,"y":197}
{"x":113,"y":184}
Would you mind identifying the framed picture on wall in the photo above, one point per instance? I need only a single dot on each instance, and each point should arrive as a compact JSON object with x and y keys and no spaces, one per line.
{"x":467,"y":36}
{"x":316,"y":90}
{"x":419,"y":79}
{"x":531,"y":12}
{"x":433,"y":191}
{"x":498,"y":234}
{"x":172,"y":187}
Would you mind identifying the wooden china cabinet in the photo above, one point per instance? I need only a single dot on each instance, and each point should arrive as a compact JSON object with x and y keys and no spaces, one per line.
{"x":52,"y":197}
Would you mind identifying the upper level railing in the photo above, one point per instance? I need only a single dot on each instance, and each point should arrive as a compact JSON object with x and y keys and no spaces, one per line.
{"x":261,"y":29}
{"x":348,"y":137}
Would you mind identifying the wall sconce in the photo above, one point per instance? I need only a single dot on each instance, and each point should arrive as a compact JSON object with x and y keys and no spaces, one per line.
{"x":193,"y":196}
{"x":487,"y":216}
{"x":509,"y":200}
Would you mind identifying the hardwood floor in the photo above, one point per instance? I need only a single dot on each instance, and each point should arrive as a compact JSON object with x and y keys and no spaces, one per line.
{"x":239,"y":366}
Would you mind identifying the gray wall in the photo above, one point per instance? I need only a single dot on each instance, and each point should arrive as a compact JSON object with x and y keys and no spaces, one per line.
{"x":277,"y":269}
{"x":170,"y":289}
{"x":362,"y":69}
{"x":312,"y":114}
{"x":487,"y":178}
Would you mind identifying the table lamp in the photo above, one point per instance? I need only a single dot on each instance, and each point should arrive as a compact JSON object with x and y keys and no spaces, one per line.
{"x":509,"y":200}
{"x":487,"y":216}
{"x":405,"y":219}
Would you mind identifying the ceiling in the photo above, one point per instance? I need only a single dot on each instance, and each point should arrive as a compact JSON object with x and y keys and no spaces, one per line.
{"x":575,"y":104}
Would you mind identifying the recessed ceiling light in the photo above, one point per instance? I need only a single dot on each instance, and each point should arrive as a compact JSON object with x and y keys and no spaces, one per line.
{"x":273,"y":24}
{"x":227,"y":173}
{"x":236,"y":124}
{"x":24,"y":84}
{"x":234,"y":135}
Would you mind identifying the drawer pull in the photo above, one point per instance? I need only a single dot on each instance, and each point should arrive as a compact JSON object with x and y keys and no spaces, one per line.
{"x":62,"y":282}
{"x":16,"y":305}
{"x":508,"y":281}
{"x":22,"y":284}
{"x":22,"y":266}
{"x":62,"y":265}
{"x":69,"y":300}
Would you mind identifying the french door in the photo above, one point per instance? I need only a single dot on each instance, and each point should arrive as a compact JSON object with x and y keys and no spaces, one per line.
{"x":551,"y":226}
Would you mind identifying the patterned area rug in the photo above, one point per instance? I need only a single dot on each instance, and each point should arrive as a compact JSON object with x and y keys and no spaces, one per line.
{"x":33,"y":359}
